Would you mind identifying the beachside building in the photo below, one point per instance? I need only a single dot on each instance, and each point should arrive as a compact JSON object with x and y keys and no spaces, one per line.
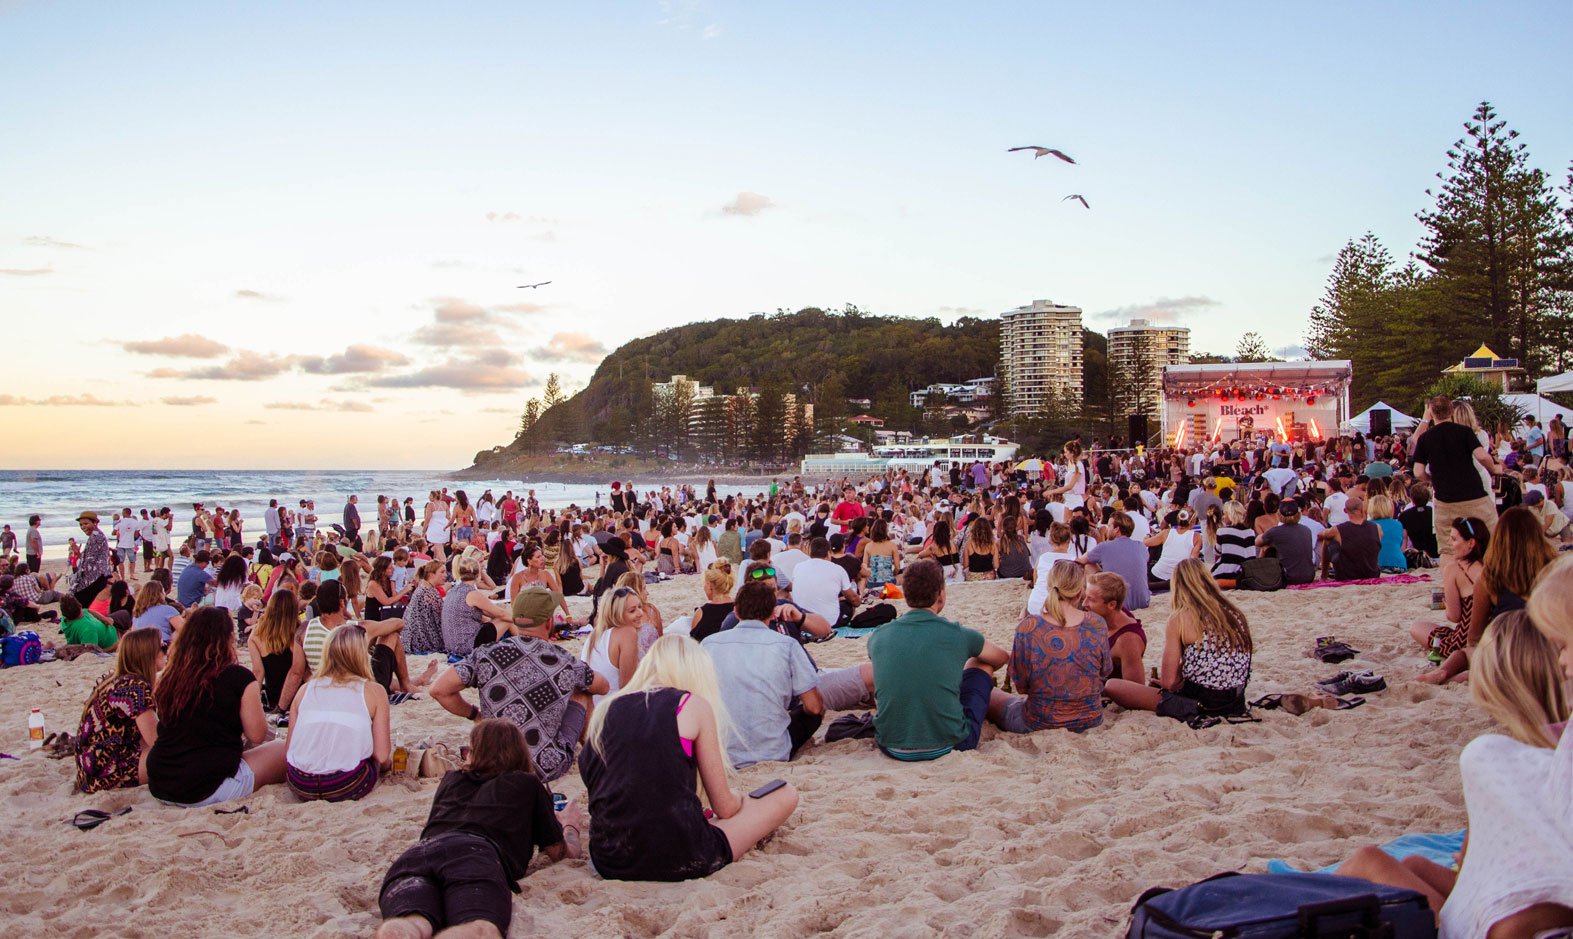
{"x":1491,"y":369}
{"x":1041,"y":355}
{"x":967,"y":392}
{"x":1138,"y":354}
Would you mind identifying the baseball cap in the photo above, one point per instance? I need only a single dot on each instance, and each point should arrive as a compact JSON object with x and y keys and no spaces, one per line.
{"x":1534,"y":497}
{"x":536,"y":604}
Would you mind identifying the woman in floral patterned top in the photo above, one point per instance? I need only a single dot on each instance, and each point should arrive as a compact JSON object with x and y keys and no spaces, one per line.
{"x":118,"y":724}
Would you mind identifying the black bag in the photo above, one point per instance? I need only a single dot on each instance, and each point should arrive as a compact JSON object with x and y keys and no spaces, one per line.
{"x":877,"y":615}
{"x":1282,"y":906}
{"x":850,"y":727}
{"x":1261,"y":574}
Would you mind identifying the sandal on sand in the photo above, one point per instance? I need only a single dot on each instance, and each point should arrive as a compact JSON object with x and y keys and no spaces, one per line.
{"x":89,"y":819}
{"x":58,"y":746}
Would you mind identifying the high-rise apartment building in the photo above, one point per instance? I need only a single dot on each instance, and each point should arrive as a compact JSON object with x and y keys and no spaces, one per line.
{"x":1138,"y":354}
{"x":1041,"y":354}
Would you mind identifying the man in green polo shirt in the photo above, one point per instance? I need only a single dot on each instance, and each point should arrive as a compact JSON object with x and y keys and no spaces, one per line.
{"x":932,"y":677}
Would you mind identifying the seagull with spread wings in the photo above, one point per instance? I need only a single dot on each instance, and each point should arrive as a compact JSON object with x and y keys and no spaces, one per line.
{"x":1078,"y":198}
{"x":1042,"y":152}
{"x":528,"y":286}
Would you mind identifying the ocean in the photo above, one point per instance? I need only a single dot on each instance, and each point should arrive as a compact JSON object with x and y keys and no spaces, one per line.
{"x":60,"y":495}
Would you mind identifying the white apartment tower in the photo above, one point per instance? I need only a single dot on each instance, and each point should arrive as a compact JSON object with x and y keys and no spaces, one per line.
{"x":1138,"y":354}
{"x":1041,"y":353}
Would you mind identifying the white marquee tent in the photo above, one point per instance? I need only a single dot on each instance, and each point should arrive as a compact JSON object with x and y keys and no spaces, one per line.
{"x":1563,"y":382}
{"x":1362,"y":421}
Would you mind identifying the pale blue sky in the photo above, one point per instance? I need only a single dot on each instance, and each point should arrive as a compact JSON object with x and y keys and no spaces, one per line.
{"x":341,"y":160}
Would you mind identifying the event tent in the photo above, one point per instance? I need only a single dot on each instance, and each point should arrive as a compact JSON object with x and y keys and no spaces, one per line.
{"x":1539,"y":407}
{"x":1362,"y":421}
{"x":1563,"y":382}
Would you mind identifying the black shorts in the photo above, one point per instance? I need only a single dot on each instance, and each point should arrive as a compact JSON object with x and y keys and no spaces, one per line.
{"x":147,"y":550}
{"x":451,"y":879}
{"x":383,"y":662}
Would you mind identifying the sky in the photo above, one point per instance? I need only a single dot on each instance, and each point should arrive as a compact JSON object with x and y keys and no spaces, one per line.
{"x":291,"y":235}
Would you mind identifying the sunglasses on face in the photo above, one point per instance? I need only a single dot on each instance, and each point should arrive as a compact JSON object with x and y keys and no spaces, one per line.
{"x":760,"y":573}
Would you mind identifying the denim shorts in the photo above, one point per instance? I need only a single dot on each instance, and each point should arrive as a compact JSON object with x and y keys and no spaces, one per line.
{"x":238,"y":786}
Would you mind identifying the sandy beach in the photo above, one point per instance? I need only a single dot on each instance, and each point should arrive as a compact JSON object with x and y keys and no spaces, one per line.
{"x":1043,"y":834}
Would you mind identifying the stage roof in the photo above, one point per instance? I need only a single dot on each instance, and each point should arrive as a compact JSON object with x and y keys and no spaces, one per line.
{"x":1327,"y":375}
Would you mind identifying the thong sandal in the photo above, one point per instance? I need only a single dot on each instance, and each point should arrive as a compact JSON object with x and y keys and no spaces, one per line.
{"x":89,"y":819}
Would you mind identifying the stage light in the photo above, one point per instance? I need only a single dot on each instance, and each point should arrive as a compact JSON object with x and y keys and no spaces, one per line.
{"x":1191,"y":403}
{"x":1310,"y":400}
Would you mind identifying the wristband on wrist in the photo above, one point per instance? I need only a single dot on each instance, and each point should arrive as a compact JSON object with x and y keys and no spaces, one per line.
{"x":475,"y":712}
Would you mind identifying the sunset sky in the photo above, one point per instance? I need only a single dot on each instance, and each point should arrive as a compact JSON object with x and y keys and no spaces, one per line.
{"x":290,"y":234}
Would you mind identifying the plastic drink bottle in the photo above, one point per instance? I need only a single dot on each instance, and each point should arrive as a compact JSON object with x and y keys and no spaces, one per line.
{"x":35,"y":730}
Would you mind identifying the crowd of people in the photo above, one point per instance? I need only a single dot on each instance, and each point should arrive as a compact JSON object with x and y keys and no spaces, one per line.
{"x":656,"y":715}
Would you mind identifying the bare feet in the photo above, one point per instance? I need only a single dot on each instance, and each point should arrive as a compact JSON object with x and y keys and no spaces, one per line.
{"x":405,"y":927}
{"x":1434,"y":676}
{"x":428,"y":675}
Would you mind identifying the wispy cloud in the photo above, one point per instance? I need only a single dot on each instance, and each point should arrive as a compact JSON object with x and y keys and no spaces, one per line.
{"x":44,"y":241}
{"x":521,"y":307}
{"x":1292,"y":352}
{"x":258,"y":295}
{"x":960,"y":311}
{"x":194,"y":401}
{"x":245,"y":366}
{"x":326,"y":404}
{"x":457,"y":322}
{"x":748,"y":204}
{"x":185,"y":345}
{"x":355,"y":359}
{"x":571,"y":347}
{"x":712,"y":31}
{"x":26,"y":271}
{"x":63,"y":401}
{"x":505,"y":217}
{"x":492,"y":370}
{"x":1161,"y":311}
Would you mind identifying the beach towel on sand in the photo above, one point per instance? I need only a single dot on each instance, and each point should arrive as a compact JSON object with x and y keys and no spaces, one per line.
{"x":1439,"y":848}
{"x":1390,"y":581}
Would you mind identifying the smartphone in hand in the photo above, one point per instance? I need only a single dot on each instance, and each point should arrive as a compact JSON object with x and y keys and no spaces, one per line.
{"x":767,"y":789}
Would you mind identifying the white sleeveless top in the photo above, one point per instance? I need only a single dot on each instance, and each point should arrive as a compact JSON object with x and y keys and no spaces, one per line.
{"x":600,"y":662}
{"x":332,"y":731}
{"x":1177,"y":547}
{"x":437,"y":528}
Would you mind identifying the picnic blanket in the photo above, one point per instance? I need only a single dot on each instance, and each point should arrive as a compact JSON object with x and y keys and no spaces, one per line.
{"x":852,"y":632}
{"x":1395,"y":579}
{"x":1439,"y":848}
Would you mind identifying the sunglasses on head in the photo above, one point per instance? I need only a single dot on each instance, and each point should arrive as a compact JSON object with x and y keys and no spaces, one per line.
{"x":760,"y":573}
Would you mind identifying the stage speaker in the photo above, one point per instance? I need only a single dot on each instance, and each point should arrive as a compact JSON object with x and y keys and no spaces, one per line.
{"x":1138,"y":428}
{"x":1381,"y":422}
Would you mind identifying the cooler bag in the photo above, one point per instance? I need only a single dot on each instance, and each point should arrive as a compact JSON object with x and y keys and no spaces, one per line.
{"x":1281,"y":906}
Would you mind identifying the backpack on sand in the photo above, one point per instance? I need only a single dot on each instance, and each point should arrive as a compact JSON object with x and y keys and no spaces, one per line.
{"x":1282,"y":906}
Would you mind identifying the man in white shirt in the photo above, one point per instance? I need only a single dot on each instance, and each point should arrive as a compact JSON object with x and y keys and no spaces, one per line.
{"x":819,"y":584}
{"x":1279,"y":477}
{"x":145,"y":526}
{"x":126,"y":528}
{"x":786,"y":561}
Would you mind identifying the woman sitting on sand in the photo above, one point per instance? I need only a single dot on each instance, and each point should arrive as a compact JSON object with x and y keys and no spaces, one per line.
{"x":1058,"y":661}
{"x":1518,"y":552}
{"x":339,"y":736}
{"x":567,"y":568}
{"x":979,"y":551}
{"x":1381,"y":511}
{"x":1206,"y":652}
{"x":484,"y":826}
{"x":118,"y":725}
{"x":1513,"y":877}
{"x":882,"y":555}
{"x":278,"y":656}
{"x":612,"y":648}
{"x":718,"y":584}
{"x":153,"y":609}
{"x":469,"y":618}
{"x":209,"y":710}
{"x":653,"y":627}
{"x":702,"y":549}
{"x":536,"y":573}
{"x":1180,"y":539}
{"x":1468,"y":539}
{"x":1236,"y":543}
{"x":649,"y":824}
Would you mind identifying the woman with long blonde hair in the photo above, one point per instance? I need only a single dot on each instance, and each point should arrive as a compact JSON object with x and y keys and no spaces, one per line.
{"x":118,"y":725}
{"x":612,"y":648}
{"x":651,"y":749}
{"x":1512,"y":881}
{"x":339,"y":737}
{"x":1058,"y":661}
{"x":653,"y":627}
{"x":1206,"y":653}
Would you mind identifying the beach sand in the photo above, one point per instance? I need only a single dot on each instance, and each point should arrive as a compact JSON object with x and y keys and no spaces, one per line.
{"x":1044,"y":834}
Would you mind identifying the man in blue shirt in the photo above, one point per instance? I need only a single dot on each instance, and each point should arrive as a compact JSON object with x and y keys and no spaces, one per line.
{"x":195,"y":580}
{"x":1534,"y":438}
{"x":768,"y":683}
{"x":1127,"y":557}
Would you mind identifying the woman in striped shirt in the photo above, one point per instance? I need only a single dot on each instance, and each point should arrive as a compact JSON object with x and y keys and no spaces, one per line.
{"x":1236,"y":542}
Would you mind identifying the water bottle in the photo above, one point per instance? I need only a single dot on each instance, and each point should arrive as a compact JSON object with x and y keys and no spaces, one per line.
{"x":35,"y":730}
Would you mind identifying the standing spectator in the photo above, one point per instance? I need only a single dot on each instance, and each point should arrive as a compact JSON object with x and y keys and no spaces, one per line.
{"x":1446,"y":453}
{"x":272,"y":522}
{"x":352,"y":521}
{"x":34,"y":548}
{"x":126,"y":529}
{"x":92,"y":570}
{"x":767,"y":683}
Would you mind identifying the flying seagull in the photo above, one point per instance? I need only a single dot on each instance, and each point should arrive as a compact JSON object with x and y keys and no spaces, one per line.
{"x":528,"y":286}
{"x":1043,"y":151}
{"x":1078,"y":198}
